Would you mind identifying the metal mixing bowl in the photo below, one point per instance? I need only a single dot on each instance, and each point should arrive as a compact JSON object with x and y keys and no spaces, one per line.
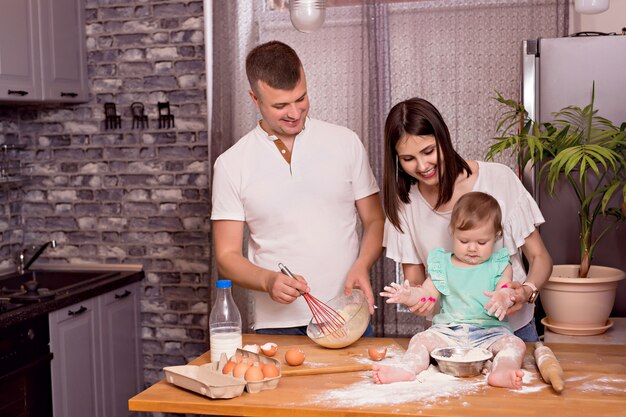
{"x":456,"y":362}
{"x":355,"y":310}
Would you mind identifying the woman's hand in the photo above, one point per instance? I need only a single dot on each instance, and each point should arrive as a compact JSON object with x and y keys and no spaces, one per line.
{"x":518,"y":296}
{"x":500,"y":301}
{"x":416,"y":275}
{"x":424,"y":307}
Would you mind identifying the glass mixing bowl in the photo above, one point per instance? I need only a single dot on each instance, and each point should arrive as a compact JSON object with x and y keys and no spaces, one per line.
{"x":354,"y":310}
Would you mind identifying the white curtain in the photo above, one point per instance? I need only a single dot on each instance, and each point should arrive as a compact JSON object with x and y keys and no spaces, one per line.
{"x":369,"y":56}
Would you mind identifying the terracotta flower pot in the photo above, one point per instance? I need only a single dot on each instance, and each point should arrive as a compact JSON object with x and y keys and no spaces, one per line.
{"x":580,"y":305}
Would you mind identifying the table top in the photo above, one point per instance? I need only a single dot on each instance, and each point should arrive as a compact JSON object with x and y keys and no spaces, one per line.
{"x":595,"y":385}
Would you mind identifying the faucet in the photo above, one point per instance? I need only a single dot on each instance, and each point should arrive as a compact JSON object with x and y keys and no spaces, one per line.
{"x":23,"y":265}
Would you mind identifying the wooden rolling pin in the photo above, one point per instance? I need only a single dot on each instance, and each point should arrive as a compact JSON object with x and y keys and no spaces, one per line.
{"x":331,"y":369}
{"x":549,"y":367}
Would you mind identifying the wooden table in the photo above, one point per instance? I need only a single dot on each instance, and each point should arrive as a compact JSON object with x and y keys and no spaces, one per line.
{"x":595,"y":378}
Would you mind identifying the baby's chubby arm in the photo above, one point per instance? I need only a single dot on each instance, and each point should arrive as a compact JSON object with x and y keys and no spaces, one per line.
{"x":422,"y":298}
{"x":502,"y":298}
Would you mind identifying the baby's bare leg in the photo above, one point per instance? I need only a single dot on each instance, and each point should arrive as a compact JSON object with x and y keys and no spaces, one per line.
{"x":506,"y":371}
{"x":415,"y":360}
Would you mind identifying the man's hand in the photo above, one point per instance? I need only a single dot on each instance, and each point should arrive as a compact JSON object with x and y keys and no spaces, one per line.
{"x":358,"y":277}
{"x":284,"y":289}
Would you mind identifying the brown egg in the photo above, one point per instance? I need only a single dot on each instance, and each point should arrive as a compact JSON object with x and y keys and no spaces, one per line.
{"x":269,"y":370}
{"x":236,"y":357}
{"x":240,"y":369}
{"x":228,"y":368}
{"x":269,"y":349}
{"x":253,"y":374}
{"x":377,"y":354}
{"x":294,"y":357}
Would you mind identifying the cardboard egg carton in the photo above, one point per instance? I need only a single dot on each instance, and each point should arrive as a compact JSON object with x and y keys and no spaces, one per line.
{"x":209,"y":381}
{"x":204,"y":380}
{"x":266,"y":383}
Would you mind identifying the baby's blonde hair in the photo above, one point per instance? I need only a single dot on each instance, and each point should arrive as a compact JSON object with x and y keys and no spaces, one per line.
{"x":473,"y":210}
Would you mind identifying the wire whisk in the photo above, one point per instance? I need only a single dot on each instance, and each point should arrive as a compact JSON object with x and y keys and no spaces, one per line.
{"x":327,"y":318}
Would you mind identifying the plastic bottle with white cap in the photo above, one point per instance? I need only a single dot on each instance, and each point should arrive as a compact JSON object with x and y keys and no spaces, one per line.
{"x":224,"y":323}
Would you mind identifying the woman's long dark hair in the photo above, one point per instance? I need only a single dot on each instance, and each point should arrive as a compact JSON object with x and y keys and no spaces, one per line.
{"x":417,"y":117}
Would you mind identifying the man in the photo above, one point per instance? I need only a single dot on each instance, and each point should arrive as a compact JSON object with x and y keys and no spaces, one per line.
{"x":299,"y":184}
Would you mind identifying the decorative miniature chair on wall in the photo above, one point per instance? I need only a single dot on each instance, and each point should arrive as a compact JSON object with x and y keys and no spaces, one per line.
{"x":111,"y":119}
{"x":166,"y":119}
{"x":140,"y":119}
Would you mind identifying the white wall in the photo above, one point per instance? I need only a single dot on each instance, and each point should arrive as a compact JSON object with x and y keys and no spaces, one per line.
{"x":613,"y":20}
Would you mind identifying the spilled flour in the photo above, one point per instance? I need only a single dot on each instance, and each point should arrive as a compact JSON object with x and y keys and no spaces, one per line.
{"x":432,"y":387}
{"x":605,"y":385}
{"x":429,"y":388}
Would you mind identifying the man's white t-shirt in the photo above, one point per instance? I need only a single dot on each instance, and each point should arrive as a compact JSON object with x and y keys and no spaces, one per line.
{"x":426,"y":229}
{"x":302,"y":215}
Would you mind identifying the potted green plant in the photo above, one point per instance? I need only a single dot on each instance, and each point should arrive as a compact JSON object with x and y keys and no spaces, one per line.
{"x":588,"y":153}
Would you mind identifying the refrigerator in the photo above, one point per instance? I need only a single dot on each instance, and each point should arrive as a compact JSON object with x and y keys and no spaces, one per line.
{"x":558,"y":72}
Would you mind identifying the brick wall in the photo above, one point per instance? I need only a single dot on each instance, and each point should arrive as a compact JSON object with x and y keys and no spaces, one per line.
{"x":127,"y":195}
{"x":11,"y":236}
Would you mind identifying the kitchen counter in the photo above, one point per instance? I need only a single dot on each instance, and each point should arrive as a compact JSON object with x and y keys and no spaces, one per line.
{"x":113,"y":276}
{"x":595,"y":385}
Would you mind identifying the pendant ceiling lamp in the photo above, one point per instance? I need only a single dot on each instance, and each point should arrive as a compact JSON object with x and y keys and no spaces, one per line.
{"x":307,"y":15}
{"x":591,"y":6}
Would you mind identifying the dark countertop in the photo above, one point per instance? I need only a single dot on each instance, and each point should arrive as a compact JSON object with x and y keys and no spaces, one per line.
{"x":112,"y":279}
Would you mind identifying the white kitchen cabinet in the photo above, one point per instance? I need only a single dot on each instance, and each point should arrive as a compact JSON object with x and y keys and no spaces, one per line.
{"x":122,"y":367}
{"x":20,"y":65}
{"x":97,"y":364}
{"x":75,"y":346}
{"x":43,"y":51}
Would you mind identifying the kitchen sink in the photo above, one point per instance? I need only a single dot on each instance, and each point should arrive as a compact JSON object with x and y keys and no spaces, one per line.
{"x":55,"y":280}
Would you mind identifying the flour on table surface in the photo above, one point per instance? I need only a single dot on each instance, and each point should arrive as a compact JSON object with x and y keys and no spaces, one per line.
{"x":310,"y":364}
{"x":604,"y":384}
{"x":576,"y":378}
{"x":529,"y":381}
{"x":429,"y":388}
{"x":434,"y":387}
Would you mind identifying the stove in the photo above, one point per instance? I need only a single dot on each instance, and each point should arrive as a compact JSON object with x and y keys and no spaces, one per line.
{"x":25,"y":380}
{"x":25,"y":357}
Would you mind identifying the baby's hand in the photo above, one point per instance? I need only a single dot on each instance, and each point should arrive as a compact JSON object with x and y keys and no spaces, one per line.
{"x":416,"y":298}
{"x":500,"y":301}
{"x":396,"y":293}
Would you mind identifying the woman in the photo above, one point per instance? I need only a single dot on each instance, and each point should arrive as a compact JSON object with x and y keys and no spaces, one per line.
{"x":424,"y":177}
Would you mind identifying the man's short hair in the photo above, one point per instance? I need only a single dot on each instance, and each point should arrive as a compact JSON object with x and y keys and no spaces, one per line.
{"x":274,"y":63}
